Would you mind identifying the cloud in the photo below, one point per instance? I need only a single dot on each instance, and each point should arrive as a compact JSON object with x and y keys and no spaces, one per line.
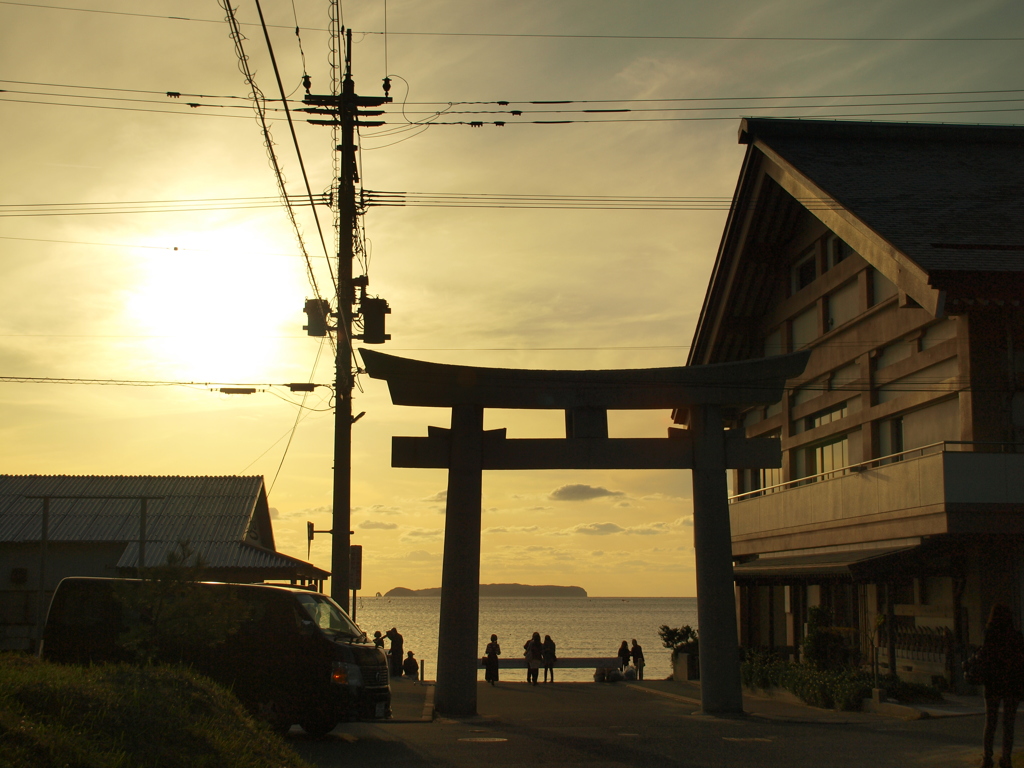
{"x":596,"y":529}
{"x":580,"y":492}
{"x":439,"y":496}
{"x":380,"y":509}
{"x":421,"y":555}
{"x":274,"y":513}
{"x":513,"y":529}
{"x":422,"y":534}
{"x":377,"y":525}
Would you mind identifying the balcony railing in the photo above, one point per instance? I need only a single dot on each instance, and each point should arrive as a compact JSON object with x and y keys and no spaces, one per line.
{"x":913,"y":453}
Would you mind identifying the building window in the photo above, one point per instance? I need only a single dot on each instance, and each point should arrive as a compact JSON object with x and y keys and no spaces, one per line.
{"x":823,"y":460}
{"x":836,"y":250}
{"x":835,"y":413}
{"x":890,"y":439}
{"x":804,"y":271}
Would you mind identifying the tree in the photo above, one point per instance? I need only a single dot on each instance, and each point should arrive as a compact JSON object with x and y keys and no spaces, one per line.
{"x":169,"y":615}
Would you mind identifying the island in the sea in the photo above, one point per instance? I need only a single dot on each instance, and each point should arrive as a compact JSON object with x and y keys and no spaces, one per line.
{"x":498,"y":590}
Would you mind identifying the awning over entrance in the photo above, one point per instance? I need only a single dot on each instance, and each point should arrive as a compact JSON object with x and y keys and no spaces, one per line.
{"x":852,"y":564}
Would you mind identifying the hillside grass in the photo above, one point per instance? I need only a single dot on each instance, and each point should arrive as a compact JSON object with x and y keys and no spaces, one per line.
{"x":120,"y":716}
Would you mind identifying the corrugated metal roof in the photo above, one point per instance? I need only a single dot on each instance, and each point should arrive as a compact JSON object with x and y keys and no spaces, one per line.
{"x":220,"y":554}
{"x":192,"y":508}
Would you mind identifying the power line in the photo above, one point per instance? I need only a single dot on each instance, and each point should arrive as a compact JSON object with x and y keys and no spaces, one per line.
{"x":502,"y":102}
{"x":556,"y":36}
{"x":132,"y":382}
{"x":258,"y":103}
{"x":154,"y":206}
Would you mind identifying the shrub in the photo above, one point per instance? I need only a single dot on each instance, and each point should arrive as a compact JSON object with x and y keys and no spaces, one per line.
{"x":825,"y":647}
{"x":762,"y":669}
{"x":681,"y":640}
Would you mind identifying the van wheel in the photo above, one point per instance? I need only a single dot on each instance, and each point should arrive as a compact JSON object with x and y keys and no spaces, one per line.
{"x":270,"y":713}
{"x":318,"y":724}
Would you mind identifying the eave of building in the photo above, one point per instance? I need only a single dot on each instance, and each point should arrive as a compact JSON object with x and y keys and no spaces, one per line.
{"x":746,"y":269}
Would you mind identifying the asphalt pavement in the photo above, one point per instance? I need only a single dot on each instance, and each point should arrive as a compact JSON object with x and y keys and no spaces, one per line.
{"x":649,"y":723}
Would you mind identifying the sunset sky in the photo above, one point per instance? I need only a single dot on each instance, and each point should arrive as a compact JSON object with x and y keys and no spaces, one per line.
{"x":162,"y":268}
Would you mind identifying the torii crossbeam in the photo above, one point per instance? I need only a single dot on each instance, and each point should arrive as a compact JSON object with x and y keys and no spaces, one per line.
{"x":705,"y":447}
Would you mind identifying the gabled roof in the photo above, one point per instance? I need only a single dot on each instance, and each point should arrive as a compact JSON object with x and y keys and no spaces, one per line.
{"x":938,"y":209}
{"x":947,"y":196}
{"x":226,"y":520}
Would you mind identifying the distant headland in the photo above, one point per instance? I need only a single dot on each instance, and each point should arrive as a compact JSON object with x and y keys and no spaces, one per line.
{"x":497,"y":590}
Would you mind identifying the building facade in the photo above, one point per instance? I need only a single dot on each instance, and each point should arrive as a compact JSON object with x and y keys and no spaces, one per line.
{"x":52,"y":526}
{"x":895,"y":253}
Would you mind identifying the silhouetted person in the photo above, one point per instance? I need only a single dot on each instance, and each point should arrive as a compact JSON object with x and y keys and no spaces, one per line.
{"x":396,"y":651}
{"x":547,"y":650}
{"x":534,"y":652}
{"x":1001,"y":660}
{"x":378,"y":641}
{"x":491,"y":654}
{"x":638,"y":659}
{"x":624,"y":655}
{"x":411,"y":667}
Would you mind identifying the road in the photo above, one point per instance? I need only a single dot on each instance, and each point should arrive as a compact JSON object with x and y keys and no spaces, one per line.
{"x":605,"y":726}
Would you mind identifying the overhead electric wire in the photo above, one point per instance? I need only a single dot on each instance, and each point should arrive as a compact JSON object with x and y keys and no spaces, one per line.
{"x":155,"y":206}
{"x":295,"y":139}
{"x":268,"y":142}
{"x":504,"y":102}
{"x":566,"y":36}
{"x":129,"y":382}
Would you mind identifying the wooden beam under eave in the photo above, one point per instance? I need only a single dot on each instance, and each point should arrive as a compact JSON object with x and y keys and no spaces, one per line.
{"x":903,"y":271}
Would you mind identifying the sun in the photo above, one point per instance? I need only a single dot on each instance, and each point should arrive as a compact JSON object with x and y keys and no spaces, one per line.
{"x":220,"y":306}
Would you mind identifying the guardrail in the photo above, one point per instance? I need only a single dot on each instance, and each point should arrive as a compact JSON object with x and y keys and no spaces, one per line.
{"x":924,"y":450}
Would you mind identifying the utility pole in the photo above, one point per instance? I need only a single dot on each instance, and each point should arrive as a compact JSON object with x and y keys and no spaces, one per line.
{"x":344,"y":111}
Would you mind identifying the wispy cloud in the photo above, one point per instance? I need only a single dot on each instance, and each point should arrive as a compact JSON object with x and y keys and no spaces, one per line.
{"x":422,"y":534}
{"x":580,"y":492}
{"x":379,"y":525}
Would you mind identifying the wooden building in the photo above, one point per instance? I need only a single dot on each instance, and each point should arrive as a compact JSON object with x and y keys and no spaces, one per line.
{"x":895,"y":252}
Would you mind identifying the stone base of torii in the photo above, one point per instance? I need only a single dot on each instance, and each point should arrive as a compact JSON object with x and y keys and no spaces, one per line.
{"x":708,"y":392}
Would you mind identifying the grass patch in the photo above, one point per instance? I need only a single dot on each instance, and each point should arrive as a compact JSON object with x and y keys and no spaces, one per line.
{"x":120,"y":716}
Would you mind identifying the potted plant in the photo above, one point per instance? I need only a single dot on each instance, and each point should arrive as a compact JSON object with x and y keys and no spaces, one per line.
{"x":685,"y":647}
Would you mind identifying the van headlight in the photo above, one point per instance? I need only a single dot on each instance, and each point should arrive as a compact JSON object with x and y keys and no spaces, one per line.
{"x":343,"y":673}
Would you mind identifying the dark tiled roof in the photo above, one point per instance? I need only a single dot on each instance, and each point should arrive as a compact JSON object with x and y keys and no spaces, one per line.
{"x":951,"y":197}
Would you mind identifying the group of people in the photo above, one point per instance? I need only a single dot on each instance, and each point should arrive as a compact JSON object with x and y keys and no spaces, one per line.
{"x":634,"y":654}
{"x":398,"y":666}
{"x":538,"y":653}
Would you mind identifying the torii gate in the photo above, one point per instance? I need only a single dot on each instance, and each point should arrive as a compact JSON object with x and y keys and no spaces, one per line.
{"x":466,"y":450}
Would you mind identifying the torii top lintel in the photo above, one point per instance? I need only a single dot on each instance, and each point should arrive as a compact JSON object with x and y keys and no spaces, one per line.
{"x":748,"y":382}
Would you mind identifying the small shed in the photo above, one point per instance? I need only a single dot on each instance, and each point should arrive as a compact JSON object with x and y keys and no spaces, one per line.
{"x":52,"y":526}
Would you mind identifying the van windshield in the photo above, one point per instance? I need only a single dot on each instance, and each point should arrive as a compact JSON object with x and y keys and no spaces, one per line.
{"x":326,"y":614}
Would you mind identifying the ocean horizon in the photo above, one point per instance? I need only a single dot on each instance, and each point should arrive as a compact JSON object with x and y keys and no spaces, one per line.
{"x":580,"y":626}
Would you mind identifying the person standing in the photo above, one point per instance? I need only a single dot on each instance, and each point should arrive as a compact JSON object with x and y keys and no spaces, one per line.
{"x":491,"y":654}
{"x":548,"y":657}
{"x":378,"y":640}
{"x":396,"y":651}
{"x":1001,"y":662}
{"x":624,"y":655}
{"x":533,"y":649}
{"x":638,"y":659}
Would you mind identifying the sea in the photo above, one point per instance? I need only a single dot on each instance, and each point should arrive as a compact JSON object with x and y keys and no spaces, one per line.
{"x":586,"y":626}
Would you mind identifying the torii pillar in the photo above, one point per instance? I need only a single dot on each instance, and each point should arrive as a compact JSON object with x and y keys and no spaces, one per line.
{"x":466,"y":450}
